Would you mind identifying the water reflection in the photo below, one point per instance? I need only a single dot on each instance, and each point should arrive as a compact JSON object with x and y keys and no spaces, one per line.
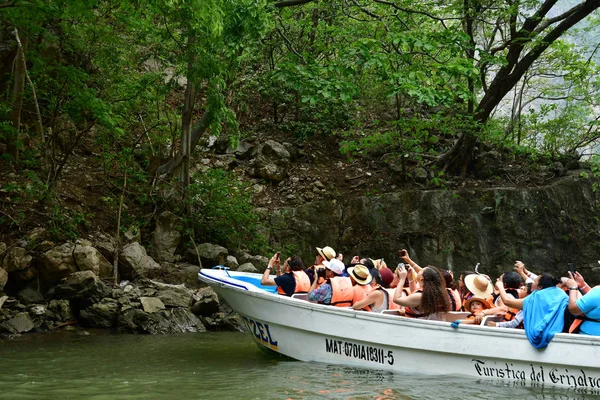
{"x":72,"y":365}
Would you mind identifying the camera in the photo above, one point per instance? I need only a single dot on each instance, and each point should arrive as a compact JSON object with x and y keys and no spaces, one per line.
{"x":321,"y":272}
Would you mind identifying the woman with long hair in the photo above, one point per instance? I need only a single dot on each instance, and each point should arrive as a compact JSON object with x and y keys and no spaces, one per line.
{"x":431,"y":301}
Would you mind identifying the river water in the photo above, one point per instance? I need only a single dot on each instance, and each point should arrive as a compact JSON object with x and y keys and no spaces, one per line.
{"x":100,"y":365}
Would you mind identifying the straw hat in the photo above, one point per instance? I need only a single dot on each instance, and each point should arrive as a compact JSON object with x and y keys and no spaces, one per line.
{"x":326,"y":252}
{"x":360,"y":274}
{"x":478,"y":285}
{"x":335,"y":265}
{"x":486,"y":304}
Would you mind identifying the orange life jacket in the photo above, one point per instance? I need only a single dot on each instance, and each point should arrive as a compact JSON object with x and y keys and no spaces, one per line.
{"x":302,"y":282}
{"x":360,"y":292}
{"x":455,"y":301}
{"x":510,"y":315}
{"x":342,"y":291}
{"x":414,"y":312}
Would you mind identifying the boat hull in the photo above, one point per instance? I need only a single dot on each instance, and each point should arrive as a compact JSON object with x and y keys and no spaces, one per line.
{"x":312,"y":332}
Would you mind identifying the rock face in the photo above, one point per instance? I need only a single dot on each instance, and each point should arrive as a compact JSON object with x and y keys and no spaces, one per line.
{"x":210,"y":254}
{"x":20,"y":323}
{"x":56,"y":264}
{"x":82,"y":285}
{"x":166,"y":236}
{"x":177,"y":320}
{"x":88,"y":258}
{"x":103,"y":314}
{"x":456,"y":229}
{"x":272,"y":161}
{"x":134,"y":262}
{"x":206,"y":302}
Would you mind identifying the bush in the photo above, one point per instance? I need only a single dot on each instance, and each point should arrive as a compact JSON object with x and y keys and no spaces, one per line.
{"x":222,"y":212}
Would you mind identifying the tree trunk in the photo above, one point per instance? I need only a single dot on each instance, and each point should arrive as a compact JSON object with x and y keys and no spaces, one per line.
{"x":13,"y":137}
{"x":458,"y":159}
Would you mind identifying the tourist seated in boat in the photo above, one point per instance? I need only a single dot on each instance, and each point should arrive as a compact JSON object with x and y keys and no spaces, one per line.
{"x":453,"y":295}
{"x":477,"y":285}
{"x":430,"y":302}
{"x":323,"y":254}
{"x":380,"y":298}
{"x":290,"y":279}
{"x":517,"y":321}
{"x":543,"y":310}
{"x":361,"y":282}
{"x":586,"y":307}
{"x":336,"y":289}
{"x":462,"y":289}
{"x":475,"y":305}
{"x":512,"y":283}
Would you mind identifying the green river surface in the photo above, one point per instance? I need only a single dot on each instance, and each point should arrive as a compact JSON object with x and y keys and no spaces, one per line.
{"x":225,"y":365}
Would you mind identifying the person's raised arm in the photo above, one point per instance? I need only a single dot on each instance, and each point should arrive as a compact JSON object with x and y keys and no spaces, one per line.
{"x":413,"y":300}
{"x":574,"y":295}
{"x":404,"y":255}
{"x":520,"y":269}
{"x":580,"y":282}
{"x":266,"y":279}
{"x":512,"y":303}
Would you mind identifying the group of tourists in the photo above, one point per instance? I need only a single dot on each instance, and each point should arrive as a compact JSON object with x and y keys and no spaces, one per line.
{"x":541,"y":304}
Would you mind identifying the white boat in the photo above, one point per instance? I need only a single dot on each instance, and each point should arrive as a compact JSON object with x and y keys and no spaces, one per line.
{"x":314,"y":332}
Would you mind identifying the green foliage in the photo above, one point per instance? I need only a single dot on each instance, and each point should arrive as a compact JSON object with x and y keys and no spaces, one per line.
{"x":64,"y":224}
{"x":222,"y":212}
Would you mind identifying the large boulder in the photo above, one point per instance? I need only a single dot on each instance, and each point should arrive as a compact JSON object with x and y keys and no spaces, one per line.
{"x":178,"y":320}
{"x":103,"y":314}
{"x":82,"y":285}
{"x":210,"y":255}
{"x":88,"y":258}
{"x":247,"y":267}
{"x":180,"y":273}
{"x":3,"y":278}
{"x":61,"y":309}
{"x":259,"y":262}
{"x":272,"y":161}
{"x":56,"y":264}
{"x":205,"y":302}
{"x":135,"y":263}
{"x":166,"y":236}
{"x":16,"y":259}
{"x":30,"y":295}
{"x":20,"y":323}
{"x":152,"y":304}
{"x":17,"y":263}
{"x":232,"y":263}
{"x":173,"y":295}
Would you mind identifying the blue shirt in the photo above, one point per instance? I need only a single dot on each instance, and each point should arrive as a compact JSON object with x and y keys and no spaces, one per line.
{"x":590,"y":306}
{"x":287,"y":283}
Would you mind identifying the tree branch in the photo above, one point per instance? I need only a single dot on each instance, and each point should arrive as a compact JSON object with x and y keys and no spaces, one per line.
{"x":289,"y":44}
{"x":291,"y":3}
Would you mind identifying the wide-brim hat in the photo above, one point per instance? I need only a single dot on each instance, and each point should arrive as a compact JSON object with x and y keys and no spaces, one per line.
{"x":335,"y":265}
{"x":360,"y":274}
{"x":486,"y":304}
{"x":478,"y":285}
{"x":326,"y":252}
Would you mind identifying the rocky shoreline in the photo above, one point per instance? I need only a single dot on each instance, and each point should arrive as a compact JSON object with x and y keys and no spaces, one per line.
{"x":46,"y":286}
